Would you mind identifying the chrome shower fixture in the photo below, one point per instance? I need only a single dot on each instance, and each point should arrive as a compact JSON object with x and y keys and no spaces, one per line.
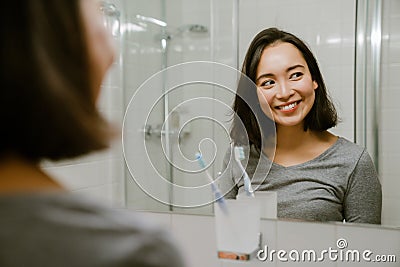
{"x":187,"y":29}
{"x":111,"y":16}
{"x":109,"y":9}
{"x":152,"y":20}
{"x":194,"y":28}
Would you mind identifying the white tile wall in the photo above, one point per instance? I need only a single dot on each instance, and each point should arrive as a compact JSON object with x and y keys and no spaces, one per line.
{"x":196,"y":236}
{"x":163,"y":220}
{"x":389,"y":129}
{"x":305,"y":236}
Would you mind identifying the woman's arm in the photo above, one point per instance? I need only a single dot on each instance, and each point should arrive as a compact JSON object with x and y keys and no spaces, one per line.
{"x":363,"y":199}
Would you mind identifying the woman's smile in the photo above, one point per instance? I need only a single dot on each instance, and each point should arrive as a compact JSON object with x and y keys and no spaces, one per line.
{"x":288,"y":107}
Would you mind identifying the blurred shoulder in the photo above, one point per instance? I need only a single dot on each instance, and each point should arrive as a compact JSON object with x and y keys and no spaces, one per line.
{"x":66,"y":221}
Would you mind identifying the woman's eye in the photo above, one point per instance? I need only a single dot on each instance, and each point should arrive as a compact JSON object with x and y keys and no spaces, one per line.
{"x":296,"y":75}
{"x":267,"y":83}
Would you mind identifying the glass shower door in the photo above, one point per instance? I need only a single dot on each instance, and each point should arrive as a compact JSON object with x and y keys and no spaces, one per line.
{"x":171,"y":124}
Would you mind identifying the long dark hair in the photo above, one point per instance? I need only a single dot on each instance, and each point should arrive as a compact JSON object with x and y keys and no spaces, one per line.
{"x":322,"y":115}
{"x":47,"y":108}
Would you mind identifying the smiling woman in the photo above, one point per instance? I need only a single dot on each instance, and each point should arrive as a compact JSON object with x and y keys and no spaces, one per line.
{"x":317,"y":175}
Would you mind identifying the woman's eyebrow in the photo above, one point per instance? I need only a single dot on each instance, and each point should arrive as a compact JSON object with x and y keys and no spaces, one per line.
{"x":295,"y":67}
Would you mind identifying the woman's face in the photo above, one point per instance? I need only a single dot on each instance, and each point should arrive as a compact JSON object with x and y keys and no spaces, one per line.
{"x":284,"y":84}
{"x":100,"y":43}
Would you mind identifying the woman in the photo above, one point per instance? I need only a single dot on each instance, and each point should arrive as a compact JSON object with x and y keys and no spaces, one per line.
{"x":54,"y":55}
{"x":317,"y":175}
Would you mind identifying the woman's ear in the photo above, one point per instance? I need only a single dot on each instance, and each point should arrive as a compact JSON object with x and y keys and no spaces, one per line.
{"x":315,"y":85}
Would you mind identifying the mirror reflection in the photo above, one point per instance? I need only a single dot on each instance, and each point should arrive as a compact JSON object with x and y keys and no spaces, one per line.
{"x":355,"y":44}
{"x":317,"y":175}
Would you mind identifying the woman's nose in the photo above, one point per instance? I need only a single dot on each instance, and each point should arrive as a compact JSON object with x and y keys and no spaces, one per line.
{"x":284,"y":91}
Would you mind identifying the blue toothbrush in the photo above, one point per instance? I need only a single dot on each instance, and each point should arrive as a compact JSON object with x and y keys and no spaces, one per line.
{"x":218,"y":196}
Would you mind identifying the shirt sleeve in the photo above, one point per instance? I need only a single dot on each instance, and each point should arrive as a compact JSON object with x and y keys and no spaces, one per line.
{"x":363,"y":199}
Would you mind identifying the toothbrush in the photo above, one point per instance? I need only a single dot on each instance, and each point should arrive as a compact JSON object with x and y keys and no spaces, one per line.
{"x":219,"y":198}
{"x":239,"y":155}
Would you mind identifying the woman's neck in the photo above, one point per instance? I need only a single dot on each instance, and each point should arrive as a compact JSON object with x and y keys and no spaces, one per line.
{"x":291,"y":137}
{"x":295,"y":146}
{"x":20,"y":175}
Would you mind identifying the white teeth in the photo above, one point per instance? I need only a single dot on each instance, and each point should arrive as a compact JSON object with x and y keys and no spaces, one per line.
{"x":289,"y":106}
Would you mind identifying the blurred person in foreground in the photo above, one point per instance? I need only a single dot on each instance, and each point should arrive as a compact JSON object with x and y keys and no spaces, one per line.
{"x":54,"y":55}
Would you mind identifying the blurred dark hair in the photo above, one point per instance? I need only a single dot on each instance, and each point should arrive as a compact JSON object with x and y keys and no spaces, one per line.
{"x":322,"y":115}
{"x":47,"y":103}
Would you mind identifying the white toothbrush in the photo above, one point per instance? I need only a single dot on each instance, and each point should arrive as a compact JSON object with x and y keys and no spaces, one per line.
{"x":239,"y":155}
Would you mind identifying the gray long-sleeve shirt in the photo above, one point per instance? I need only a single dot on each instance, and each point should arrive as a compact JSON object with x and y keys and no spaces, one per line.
{"x":340,"y":184}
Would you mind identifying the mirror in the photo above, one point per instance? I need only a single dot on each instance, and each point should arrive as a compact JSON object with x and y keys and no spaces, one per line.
{"x":220,"y":31}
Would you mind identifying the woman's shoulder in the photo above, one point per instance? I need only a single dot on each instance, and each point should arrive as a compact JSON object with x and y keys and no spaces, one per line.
{"x":112,"y":217}
{"x":346,"y":153}
{"x":82,"y":221}
{"x":82,"y":211}
{"x":345,"y":145}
